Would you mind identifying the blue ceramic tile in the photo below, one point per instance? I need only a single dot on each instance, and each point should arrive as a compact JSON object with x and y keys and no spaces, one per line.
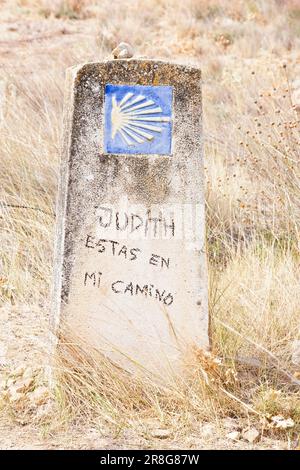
{"x":138,"y":119}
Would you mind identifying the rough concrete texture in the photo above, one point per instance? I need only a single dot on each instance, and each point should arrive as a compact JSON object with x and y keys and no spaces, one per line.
{"x":133,"y":287}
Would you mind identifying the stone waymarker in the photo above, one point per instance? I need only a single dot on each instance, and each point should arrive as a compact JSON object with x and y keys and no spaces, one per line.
{"x":130,"y":261}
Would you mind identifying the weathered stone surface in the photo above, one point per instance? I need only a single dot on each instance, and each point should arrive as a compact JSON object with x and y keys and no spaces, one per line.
{"x":233,"y":435}
{"x":251,"y":435}
{"x":123,"y":51}
{"x":161,"y":433}
{"x":129,"y":220}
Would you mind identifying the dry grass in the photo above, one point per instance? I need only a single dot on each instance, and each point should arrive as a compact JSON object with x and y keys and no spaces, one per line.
{"x":103,"y":392}
{"x":248,"y":51}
